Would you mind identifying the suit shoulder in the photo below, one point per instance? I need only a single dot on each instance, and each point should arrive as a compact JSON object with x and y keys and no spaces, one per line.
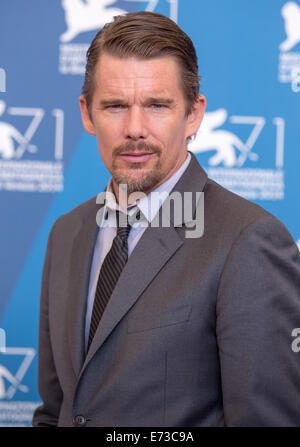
{"x":228,"y":207}
{"x":230,"y":218}
{"x":75,"y":216}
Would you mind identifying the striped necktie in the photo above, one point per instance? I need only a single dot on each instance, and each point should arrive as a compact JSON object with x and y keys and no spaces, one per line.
{"x":110,"y":272}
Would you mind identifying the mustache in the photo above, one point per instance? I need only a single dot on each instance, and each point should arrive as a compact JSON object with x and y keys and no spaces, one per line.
{"x":139,"y":147}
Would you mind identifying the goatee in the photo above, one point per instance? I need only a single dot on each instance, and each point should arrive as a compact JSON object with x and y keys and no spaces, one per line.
{"x":135,"y":182}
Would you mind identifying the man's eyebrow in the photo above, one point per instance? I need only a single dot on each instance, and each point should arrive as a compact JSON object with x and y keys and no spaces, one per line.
{"x":111,"y":102}
{"x":160,"y":99}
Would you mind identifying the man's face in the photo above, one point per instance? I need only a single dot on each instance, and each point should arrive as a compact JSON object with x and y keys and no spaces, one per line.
{"x":138,"y":116}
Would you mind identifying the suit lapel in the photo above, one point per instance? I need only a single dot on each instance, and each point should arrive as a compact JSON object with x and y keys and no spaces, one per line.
{"x":82,"y":254}
{"x":155,"y":249}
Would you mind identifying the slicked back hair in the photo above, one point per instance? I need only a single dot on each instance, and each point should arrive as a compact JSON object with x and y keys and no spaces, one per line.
{"x":145,"y":35}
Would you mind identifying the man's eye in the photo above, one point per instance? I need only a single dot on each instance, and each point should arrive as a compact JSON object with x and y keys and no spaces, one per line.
{"x":157,"y":106}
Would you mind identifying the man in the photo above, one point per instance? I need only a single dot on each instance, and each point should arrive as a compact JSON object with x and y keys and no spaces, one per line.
{"x":195,"y":328}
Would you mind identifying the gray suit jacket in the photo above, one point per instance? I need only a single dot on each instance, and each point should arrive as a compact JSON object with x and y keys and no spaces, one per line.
{"x":196,"y":333}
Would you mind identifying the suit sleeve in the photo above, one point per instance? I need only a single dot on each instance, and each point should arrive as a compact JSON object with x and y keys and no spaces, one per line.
{"x":257,"y":309}
{"x":49,"y":388}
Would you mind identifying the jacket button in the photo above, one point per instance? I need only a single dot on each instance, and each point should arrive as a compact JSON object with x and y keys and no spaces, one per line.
{"x":79,"y":421}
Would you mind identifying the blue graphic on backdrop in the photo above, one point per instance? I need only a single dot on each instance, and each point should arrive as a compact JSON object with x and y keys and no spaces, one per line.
{"x":84,"y":16}
{"x":48,"y":165}
{"x":291,"y":15}
{"x":2,"y":340}
{"x":2,"y":80}
{"x":23,"y":172}
{"x":91,"y":15}
{"x":289,"y":61}
{"x":251,"y":175}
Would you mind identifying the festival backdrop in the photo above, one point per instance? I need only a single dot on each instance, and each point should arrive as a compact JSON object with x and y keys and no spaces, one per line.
{"x":249,"y":61}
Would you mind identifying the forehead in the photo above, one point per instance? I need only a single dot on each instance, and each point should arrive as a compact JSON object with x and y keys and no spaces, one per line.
{"x":114,"y":73}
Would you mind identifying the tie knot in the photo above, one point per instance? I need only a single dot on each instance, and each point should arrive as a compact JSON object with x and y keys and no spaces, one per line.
{"x":123,"y":225}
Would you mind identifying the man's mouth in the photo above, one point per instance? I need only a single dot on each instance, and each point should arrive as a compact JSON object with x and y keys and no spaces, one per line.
{"x":136,"y":157}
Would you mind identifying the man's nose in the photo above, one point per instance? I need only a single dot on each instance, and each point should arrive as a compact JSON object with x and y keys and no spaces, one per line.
{"x":135,"y":126}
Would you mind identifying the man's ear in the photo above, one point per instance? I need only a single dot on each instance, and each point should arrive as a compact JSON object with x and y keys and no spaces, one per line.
{"x":195,"y":117}
{"x":85,"y":116}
